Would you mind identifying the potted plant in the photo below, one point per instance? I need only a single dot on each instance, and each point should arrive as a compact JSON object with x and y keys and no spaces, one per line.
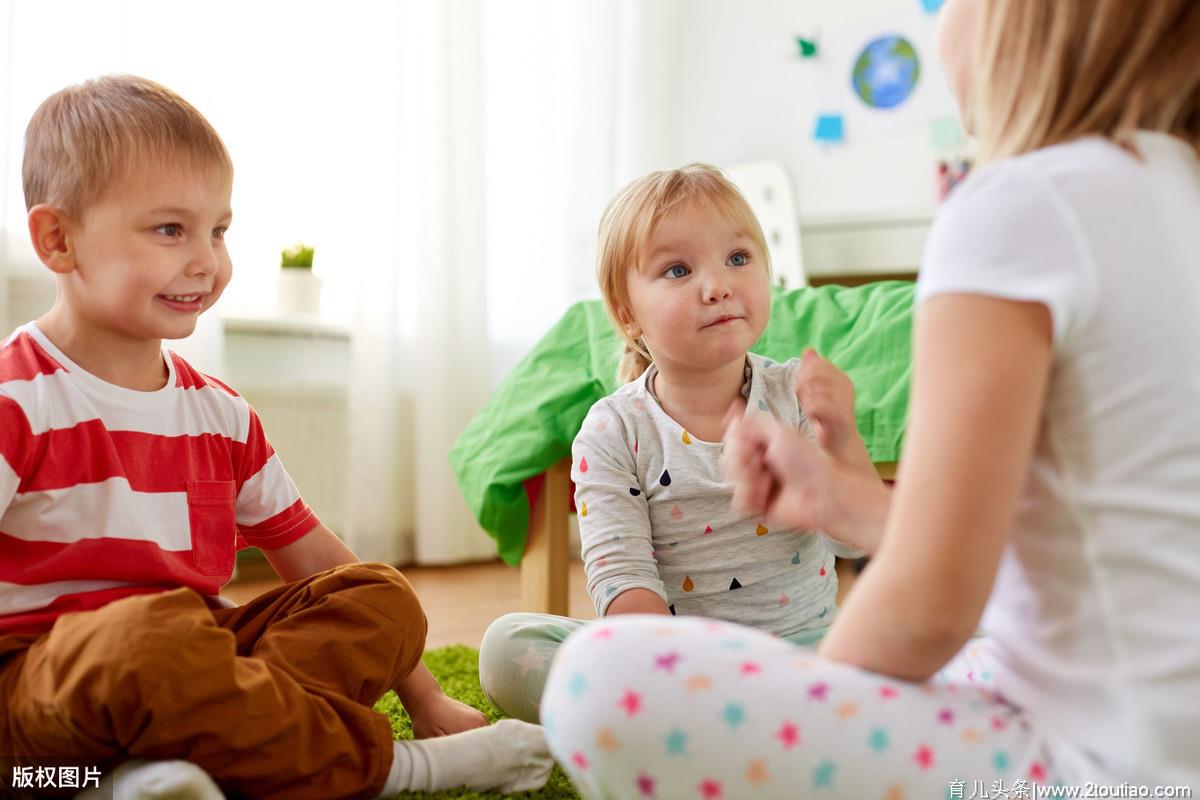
{"x":299,"y":288}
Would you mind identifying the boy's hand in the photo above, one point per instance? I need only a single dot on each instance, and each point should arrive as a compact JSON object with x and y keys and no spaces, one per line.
{"x":442,"y":715}
{"x":826,"y":395}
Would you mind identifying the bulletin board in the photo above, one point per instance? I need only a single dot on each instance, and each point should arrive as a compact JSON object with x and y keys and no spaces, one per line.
{"x":880,"y":112}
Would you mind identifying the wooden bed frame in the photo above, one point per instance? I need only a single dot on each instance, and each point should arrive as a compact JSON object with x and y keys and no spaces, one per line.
{"x":545,"y":565}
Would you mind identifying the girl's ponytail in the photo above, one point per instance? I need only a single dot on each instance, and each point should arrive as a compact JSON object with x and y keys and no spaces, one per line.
{"x":634,"y":361}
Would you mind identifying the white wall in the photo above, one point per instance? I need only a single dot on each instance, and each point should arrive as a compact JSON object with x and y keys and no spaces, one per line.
{"x":726,"y":85}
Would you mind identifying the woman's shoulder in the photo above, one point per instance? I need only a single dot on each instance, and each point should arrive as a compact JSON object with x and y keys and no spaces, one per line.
{"x":1090,"y":169}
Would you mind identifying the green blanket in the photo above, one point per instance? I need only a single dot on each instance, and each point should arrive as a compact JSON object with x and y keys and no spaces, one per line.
{"x":530,"y":420}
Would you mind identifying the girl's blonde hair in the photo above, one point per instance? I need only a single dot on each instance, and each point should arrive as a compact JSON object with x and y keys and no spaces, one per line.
{"x":1048,"y":71}
{"x":83,"y":138}
{"x":631,"y":219}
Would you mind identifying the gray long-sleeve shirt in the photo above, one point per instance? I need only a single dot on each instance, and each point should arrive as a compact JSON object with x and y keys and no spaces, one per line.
{"x":655,"y":513}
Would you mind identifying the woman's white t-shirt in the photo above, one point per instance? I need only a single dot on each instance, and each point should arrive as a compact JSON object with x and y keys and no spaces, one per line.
{"x":1095,"y":614}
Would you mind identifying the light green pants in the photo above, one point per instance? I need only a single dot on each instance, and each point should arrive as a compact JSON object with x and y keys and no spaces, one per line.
{"x":517,"y":650}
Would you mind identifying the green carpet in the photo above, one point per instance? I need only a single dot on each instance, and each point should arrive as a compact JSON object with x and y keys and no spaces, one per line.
{"x":457,"y":669}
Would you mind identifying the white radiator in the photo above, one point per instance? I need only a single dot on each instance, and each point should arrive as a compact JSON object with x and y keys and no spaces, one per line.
{"x":307,"y":427}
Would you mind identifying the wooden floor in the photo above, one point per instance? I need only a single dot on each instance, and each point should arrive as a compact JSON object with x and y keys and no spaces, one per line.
{"x":461,"y":601}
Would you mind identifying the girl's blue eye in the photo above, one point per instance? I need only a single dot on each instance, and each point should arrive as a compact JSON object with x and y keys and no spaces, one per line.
{"x":219,"y":233}
{"x":678,"y":271}
{"x":170,"y":229}
{"x":739,"y":259}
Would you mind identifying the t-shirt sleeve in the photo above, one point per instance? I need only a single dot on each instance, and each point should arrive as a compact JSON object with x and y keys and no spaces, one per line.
{"x":270,"y":511}
{"x":614,"y":523}
{"x":1008,"y":233}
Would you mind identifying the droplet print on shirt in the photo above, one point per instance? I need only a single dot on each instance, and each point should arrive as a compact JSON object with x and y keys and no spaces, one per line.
{"x":677,"y":513}
{"x":583,"y":509}
{"x":736,"y":584}
{"x":583,"y":464}
{"x":687,"y":583}
{"x":762,"y":405}
{"x":635,"y":447}
{"x":761,"y":530}
{"x":796,"y":558}
{"x":633,"y":490}
{"x":708,"y":530}
{"x":686,"y":439}
{"x":784,"y":599}
{"x":822,"y":572}
{"x":671,"y":608}
{"x":665,"y":478}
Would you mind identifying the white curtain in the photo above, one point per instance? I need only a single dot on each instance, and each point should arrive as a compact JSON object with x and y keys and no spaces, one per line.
{"x":420,"y":364}
{"x":518,"y":120}
{"x":449,"y":159}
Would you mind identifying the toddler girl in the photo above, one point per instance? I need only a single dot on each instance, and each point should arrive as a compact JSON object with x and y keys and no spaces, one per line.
{"x":684,"y":272}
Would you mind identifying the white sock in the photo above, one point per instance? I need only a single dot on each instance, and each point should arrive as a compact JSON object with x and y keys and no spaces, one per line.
{"x":510,"y":756}
{"x":155,"y":780}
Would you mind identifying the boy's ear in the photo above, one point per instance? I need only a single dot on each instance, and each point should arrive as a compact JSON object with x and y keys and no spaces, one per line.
{"x":48,"y":232}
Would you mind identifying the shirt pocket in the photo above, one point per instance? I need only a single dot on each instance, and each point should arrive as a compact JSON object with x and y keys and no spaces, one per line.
{"x":212,"y":516}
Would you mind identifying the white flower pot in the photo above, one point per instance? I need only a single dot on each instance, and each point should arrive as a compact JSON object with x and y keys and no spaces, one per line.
{"x":299,"y":291}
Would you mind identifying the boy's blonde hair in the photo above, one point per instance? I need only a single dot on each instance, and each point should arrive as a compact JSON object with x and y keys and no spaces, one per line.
{"x":631,"y":219}
{"x":83,"y":138}
{"x":1048,"y":71}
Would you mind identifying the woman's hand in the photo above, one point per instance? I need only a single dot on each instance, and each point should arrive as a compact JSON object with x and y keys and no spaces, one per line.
{"x":779,"y":474}
{"x":826,"y":396}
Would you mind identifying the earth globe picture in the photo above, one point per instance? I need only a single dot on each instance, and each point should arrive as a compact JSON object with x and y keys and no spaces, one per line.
{"x":886,"y":71}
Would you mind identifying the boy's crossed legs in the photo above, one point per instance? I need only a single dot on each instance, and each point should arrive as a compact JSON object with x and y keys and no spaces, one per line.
{"x":273,"y":699}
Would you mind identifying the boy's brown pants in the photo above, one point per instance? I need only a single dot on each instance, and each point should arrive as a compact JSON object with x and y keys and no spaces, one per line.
{"x":273,"y":699}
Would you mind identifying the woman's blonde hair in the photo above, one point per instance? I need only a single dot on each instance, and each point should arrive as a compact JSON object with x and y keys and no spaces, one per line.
{"x":1049,"y":71}
{"x":83,"y":138}
{"x":632,"y":218}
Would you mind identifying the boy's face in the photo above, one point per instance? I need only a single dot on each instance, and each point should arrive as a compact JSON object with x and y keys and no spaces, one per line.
{"x":150,"y":254}
{"x":701,"y":297}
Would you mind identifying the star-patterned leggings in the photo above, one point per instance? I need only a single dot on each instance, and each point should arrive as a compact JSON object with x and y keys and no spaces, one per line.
{"x":650,"y":707}
{"x":516,"y":651}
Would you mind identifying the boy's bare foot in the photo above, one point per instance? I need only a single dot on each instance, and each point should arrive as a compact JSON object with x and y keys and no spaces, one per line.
{"x":441,"y":715}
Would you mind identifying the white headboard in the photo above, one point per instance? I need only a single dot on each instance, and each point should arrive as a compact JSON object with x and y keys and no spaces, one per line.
{"x":768,"y":188}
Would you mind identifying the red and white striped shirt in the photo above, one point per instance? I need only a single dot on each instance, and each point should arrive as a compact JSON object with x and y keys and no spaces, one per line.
{"x":107,"y":492}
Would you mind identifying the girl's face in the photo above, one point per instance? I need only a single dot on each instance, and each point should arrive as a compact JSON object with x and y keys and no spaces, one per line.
{"x":701,"y":296}
{"x":956,"y":42}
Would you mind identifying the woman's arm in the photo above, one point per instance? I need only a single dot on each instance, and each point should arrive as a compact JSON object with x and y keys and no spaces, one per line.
{"x":980,"y":374}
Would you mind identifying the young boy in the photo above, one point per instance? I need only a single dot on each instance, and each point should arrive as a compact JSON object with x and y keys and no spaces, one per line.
{"x":127,"y":482}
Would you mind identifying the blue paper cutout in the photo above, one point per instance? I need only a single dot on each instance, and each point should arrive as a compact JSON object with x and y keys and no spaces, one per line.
{"x":830,"y":129}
